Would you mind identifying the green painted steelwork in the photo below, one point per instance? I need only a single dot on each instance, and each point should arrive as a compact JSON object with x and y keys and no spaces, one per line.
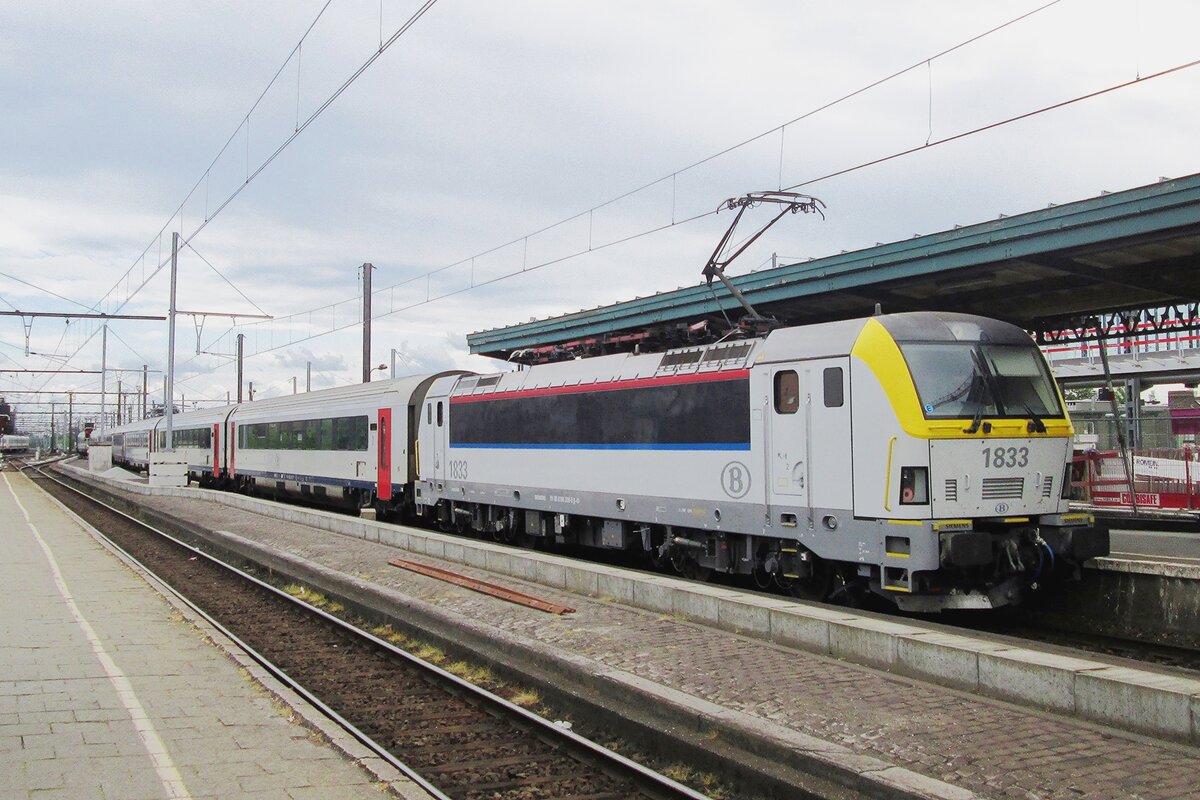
{"x":940,"y":265}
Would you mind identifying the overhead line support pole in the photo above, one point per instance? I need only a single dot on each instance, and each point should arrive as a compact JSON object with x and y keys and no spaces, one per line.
{"x":170,"y":401}
{"x":103,"y":375}
{"x":366,"y":364}
{"x":241,"y":343}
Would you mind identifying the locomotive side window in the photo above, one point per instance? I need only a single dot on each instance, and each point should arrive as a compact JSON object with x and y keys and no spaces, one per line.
{"x":834,"y":392}
{"x":715,"y":412}
{"x":787,"y":392}
{"x":429,"y":413}
{"x":439,"y":413}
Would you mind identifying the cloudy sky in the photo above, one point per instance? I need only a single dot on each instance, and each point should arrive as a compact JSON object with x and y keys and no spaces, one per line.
{"x":505,"y":161}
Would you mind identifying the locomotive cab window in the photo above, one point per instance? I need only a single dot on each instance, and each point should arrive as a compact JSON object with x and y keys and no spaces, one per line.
{"x":834,"y":388}
{"x":787,"y":392}
{"x":965,"y":379}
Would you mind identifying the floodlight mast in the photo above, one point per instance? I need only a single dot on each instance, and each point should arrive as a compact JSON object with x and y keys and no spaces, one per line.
{"x":790,"y":203}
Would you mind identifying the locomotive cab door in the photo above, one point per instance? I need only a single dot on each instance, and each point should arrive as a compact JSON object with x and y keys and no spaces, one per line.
{"x":787,"y":431}
{"x":432,"y":430}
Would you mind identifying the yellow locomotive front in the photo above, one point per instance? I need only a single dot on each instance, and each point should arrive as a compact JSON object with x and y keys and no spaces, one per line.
{"x":971,"y":463}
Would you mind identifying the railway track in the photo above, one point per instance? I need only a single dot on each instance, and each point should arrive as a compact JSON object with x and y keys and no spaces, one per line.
{"x":453,"y":738}
{"x":1014,"y":625}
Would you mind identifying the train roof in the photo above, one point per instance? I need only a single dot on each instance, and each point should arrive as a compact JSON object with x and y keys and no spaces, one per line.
{"x":299,"y":404}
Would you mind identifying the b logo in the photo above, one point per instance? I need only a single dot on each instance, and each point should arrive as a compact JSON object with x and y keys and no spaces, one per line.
{"x":735,"y":480}
{"x":1001,"y":508}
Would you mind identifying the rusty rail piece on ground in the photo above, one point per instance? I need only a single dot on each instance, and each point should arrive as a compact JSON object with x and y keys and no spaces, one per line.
{"x":476,"y":585}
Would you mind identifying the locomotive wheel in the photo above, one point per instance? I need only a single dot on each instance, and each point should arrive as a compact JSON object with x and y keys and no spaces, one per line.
{"x":815,"y":587}
{"x":658,"y":559}
{"x":762,"y":578}
{"x":688,"y":567}
{"x":693,"y":571}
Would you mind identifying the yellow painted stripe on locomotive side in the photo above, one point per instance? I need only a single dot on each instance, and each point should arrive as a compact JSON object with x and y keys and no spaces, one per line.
{"x":876,"y":348}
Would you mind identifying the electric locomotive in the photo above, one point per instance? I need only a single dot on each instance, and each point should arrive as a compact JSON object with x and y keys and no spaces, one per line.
{"x":919,"y":456}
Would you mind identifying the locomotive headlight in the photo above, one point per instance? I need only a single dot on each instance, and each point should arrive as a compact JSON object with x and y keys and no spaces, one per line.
{"x":914,"y":486}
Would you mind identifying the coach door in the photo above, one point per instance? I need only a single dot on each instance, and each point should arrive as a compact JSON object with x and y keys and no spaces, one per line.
{"x":384,"y":491}
{"x":216,"y":454}
{"x":788,"y":445}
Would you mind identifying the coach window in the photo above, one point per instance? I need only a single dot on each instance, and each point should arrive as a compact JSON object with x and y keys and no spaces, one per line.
{"x":787,"y":392}
{"x":439,"y":413}
{"x":834,"y":397}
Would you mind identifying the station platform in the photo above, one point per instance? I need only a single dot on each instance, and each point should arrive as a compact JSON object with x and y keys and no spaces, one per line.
{"x":943,"y":736}
{"x":110,"y":689}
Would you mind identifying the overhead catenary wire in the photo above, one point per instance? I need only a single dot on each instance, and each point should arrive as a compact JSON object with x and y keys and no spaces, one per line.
{"x":807,"y":183}
{"x":221,"y":275}
{"x":384,"y":45}
{"x":43,"y":290}
{"x":426,"y":276}
{"x":997,"y":124}
{"x":250,"y":176}
{"x":204,"y":175}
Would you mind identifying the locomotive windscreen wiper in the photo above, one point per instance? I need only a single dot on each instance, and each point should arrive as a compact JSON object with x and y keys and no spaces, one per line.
{"x":1035,"y":422}
{"x":978,"y":391}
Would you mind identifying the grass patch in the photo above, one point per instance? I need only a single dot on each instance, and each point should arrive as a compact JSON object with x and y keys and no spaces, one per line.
{"x":525,"y":698}
{"x":471,"y":672}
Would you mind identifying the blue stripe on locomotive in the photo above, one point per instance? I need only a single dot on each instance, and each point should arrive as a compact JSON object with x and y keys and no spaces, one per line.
{"x":612,"y":446}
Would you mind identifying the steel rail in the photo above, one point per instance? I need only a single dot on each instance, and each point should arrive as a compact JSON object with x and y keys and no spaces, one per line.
{"x":483,"y":587}
{"x":646,"y":778}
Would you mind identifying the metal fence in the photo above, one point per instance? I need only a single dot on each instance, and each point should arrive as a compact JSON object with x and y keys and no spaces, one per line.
{"x":1162,"y":478}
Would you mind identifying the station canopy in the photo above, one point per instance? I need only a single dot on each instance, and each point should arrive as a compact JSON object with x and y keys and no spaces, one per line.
{"x":1101,"y":266}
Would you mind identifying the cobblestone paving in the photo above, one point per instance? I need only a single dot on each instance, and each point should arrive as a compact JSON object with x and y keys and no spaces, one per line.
{"x":989,"y":747}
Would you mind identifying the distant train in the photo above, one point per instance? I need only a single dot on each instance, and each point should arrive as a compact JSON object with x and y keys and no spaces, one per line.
{"x":12,"y":443}
{"x":922,"y":457}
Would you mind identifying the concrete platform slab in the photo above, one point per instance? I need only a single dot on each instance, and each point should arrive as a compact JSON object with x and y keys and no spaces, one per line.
{"x":110,"y":692}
